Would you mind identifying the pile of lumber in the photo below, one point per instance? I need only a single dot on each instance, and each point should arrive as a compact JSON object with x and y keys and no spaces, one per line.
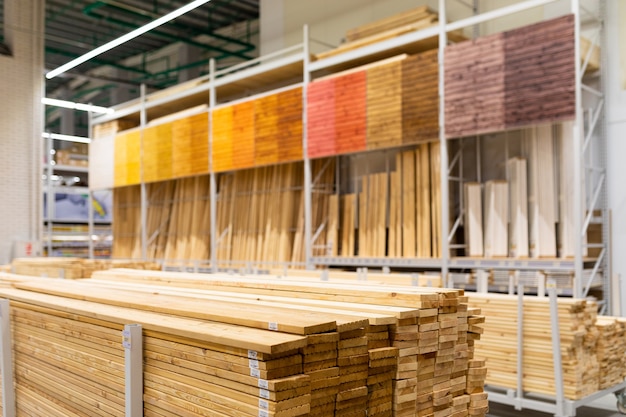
{"x":390,"y":27}
{"x":516,"y":78}
{"x":578,"y":330}
{"x":414,"y":351}
{"x":71,"y":268}
{"x":611,"y":350}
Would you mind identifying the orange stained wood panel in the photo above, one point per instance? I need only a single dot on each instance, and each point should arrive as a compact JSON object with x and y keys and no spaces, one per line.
{"x":222,"y":150}
{"x":290,"y":125}
{"x":243,"y":135}
{"x":266,"y":130}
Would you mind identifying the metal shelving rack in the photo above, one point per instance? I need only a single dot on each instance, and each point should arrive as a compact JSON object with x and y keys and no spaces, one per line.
{"x":296,"y":64}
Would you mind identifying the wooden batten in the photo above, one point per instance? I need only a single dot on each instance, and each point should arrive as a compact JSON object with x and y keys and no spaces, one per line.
{"x":473,"y":219}
{"x":518,"y":206}
{"x":496,"y":218}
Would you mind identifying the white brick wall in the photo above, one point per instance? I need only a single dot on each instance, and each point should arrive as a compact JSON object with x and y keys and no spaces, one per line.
{"x":21,"y":124}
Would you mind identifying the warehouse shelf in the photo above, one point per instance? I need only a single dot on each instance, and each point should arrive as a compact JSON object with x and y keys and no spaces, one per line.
{"x":297,"y":67}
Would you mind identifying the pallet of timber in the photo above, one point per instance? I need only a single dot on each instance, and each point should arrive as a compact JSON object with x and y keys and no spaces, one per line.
{"x":445,"y":355}
{"x":578,"y":334}
{"x":387,"y":23}
{"x":181,"y":356}
{"x":71,"y":268}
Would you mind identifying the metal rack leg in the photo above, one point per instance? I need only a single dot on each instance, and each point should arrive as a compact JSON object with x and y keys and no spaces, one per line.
{"x":556,"y":352}
{"x":132,"y":340}
{"x":8,"y":389}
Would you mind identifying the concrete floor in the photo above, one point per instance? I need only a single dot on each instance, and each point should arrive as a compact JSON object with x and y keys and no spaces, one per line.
{"x":604,"y":407}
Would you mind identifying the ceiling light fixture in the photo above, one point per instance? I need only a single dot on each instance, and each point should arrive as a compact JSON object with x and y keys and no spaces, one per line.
{"x":76,"y":106}
{"x":125,"y":38}
{"x":67,"y":138}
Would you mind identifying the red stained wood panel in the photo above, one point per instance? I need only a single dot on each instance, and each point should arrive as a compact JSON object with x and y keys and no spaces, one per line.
{"x":321,"y":133}
{"x":350,"y":112}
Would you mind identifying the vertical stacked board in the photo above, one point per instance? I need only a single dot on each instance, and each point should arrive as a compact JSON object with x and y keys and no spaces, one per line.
{"x":511,"y":79}
{"x":383,"y":105}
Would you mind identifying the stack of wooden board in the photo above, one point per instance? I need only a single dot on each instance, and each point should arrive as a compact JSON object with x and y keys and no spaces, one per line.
{"x":391,"y":27}
{"x":71,"y":268}
{"x":445,"y":377}
{"x":578,"y":336}
{"x":610,"y":349}
{"x":191,"y":365}
{"x":511,"y":79}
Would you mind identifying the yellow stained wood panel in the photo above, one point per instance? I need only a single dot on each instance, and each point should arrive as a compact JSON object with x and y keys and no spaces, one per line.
{"x":157,"y":153}
{"x":243,"y":135}
{"x":133,"y":158}
{"x":384,"y":105}
{"x":190,"y":145}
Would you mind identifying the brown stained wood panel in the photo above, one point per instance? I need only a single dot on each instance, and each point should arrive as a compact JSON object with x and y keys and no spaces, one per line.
{"x":290,"y":125}
{"x":420,"y":97}
{"x":540,"y":72}
{"x":474,"y":86}
{"x":321,"y":134}
{"x":222,"y":150}
{"x":243,"y":135}
{"x":512,"y":79}
{"x":266,"y":130}
{"x":157,"y":153}
{"x":190,"y":146}
{"x":350,"y":112}
{"x":384,"y":105}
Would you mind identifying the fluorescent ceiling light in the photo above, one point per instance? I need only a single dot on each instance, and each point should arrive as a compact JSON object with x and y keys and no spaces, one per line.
{"x":68,"y":138}
{"x":125,"y":38}
{"x":75,"y":106}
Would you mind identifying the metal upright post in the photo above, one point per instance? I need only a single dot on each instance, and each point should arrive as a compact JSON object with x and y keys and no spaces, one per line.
{"x":132,"y":341}
{"x":520,"y":346}
{"x":556,"y":350}
{"x":49,"y":194}
{"x":308,"y":226}
{"x":8,"y":389}
{"x":212,"y":175}
{"x":577,"y":152}
{"x":443,"y":146}
{"x":90,"y":220}
{"x":144,"y":192}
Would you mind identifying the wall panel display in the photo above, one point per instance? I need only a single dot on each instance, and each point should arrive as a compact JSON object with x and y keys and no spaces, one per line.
{"x":190,"y":146}
{"x":511,"y":79}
